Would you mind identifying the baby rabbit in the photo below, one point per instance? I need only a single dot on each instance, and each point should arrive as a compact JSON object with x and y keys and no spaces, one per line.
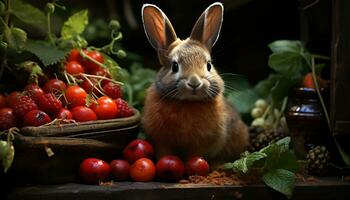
{"x":185,"y":110}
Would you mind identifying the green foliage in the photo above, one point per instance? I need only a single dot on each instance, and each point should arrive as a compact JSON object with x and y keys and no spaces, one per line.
{"x":15,"y":38}
{"x":75,"y":25}
{"x":280,"y":180}
{"x":243,"y":100}
{"x":48,"y":54}
{"x":28,"y":13}
{"x":277,"y":162}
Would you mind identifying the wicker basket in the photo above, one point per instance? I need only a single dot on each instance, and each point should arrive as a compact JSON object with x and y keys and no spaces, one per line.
{"x":71,"y":144}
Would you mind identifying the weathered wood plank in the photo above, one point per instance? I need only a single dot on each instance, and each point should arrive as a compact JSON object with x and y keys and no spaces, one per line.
{"x":325,"y":189}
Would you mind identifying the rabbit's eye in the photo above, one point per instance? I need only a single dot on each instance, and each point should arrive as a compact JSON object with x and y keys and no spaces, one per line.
{"x":209,"y":66}
{"x":175,"y":67}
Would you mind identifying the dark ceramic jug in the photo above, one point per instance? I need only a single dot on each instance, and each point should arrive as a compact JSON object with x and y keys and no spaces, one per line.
{"x":305,"y":121}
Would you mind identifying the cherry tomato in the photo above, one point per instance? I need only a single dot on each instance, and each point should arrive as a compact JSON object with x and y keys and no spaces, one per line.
{"x":90,"y":86}
{"x":12,"y":98}
{"x":143,"y":170}
{"x":34,"y":91}
{"x":64,"y":114}
{"x":75,"y":96}
{"x":120,"y":169}
{"x":197,"y":166}
{"x":93,"y":170}
{"x":55,"y":86}
{"x":74,"y":55}
{"x":308,"y":81}
{"x":102,"y":72}
{"x":74,"y":67}
{"x":105,"y":108}
{"x":170,"y":168}
{"x":83,"y":114}
{"x":90,"y":65}
{"x":36,"y":118}
{"x":7,"y":119}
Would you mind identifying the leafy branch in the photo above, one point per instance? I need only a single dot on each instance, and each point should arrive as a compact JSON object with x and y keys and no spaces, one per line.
{"x":277,"y":163}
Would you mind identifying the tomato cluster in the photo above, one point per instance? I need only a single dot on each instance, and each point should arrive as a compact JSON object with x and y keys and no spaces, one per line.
{"x":138,"y":165}
{"x":88,"y":94}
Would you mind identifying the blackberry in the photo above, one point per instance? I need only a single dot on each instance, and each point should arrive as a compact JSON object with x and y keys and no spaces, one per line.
{"x":318,"y":160}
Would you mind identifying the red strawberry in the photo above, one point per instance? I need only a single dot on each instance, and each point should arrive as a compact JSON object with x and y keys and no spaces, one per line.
{"x":13,"y":98}
{"x":23,"y":105}
{"x":113,"y":90}
{"x":7,"y":119}
{"x":49,"y":103}
{"x":34,"y":91}
{"x":36,"y":118}
{"x":123,"y":108}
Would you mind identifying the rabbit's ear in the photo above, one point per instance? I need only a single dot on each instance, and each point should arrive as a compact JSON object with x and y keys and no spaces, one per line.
{"x":207,"y":28}
{"x":159,"y":31}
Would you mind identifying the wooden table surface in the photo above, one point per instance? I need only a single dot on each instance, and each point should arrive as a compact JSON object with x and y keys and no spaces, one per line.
{"x":327,"y":188}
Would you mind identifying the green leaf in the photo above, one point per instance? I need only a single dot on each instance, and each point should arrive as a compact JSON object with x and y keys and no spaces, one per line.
{"x":286,"y":61}
{"x":286,"y":46}
{"x":33,"y":68}
{"x":75,"y":24}
{"x":16,"y":38}
{"x":48,"y":54}
{"x":28,"y":13}
{"x":280,"y":180}
{"x":284,"y":143}
{"x":243,"y":101}
{"x":263,"y":88}
{"x":9,"y":156}
{"x":246,"y":161}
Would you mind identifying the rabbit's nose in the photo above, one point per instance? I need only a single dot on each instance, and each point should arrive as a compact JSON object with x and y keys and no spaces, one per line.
{"x":194,"y":82}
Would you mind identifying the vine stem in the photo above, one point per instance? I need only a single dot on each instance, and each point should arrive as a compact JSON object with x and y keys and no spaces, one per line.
{"x":344,"y":155}
{"x":49,"y":34}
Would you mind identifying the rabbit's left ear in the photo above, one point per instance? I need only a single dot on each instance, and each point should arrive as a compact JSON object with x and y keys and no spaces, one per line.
{"x":207,"y":28}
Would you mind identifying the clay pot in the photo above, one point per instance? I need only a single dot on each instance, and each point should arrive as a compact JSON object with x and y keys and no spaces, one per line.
{"x":305,"y":121}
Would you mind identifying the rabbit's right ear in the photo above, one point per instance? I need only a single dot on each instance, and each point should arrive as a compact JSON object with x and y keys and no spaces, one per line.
{"x":159,"y":31}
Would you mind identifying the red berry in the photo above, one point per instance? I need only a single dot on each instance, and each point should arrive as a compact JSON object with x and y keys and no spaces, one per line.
{"x":34,"y":91}
{"x":112,"y":90}
{"x":120,"y":169}
{"x":90,"y":86}
{"x":50,"y":103}
{"x":143,"y":170}
{"x":74,"y":67}
{"x":170,"y":168}
{"x":55,"y":86}
{"x":105,"y":108}
{"x":23,"y":106}
{"x":308,"y":81}
{"x":2,"y":101}
{"x":36,"y":118}
{"x":90,"y":65}
{"x":83,"y":114}
{"x":13,"y":98}
{"x":76,"y":96}
{"x":7,"y":119}
{"x":64,"y":114}
{"x":136,"y":149}
{"x":104,"y":73}
{"x":197,"y":166}
{"x":123,"y":108}
{"x":74,"y":55}
{"x":93,"y":170}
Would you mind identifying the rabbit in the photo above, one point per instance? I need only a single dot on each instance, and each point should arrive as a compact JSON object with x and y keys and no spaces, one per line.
{"x":185,"y":112}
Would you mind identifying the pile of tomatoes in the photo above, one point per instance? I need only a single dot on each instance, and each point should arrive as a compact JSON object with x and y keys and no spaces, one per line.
{"x":86,"y":94}
{"x":138,"y":165}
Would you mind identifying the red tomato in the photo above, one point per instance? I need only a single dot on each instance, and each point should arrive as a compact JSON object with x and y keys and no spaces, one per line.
{"x":120,"y":169}
{"x":55,"y":86}
{"x":34,"y":91}
{"x":74,"y":55}
{"x":64,"y":114}
{"x":102,"y":72}
{"x":36,"y":118}
{"x":170,"y":168}
{"x":75,"y":96}
{"x":93,"y":170}
{"x":74,"y":67}
{"x":105,"y":108}
{"x":83,"y":114}
{"x":7,"y":119}
{"x":308,"y":81}
{"x":12,"y":98}
{"x":90,"y":86}
{"x":136,"y":149}
{"x":90,"y":65}
{"x":2,"y":101}
{"x":197,"y":166}
{"x":142,"y":170}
